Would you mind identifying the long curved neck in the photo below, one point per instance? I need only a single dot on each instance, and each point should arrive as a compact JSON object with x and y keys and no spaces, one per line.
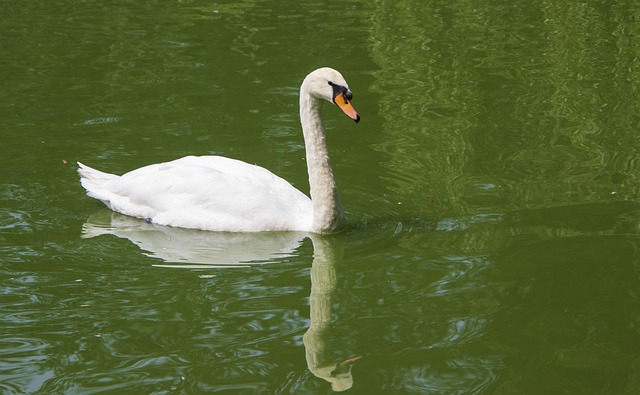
{"x":328,"y":215}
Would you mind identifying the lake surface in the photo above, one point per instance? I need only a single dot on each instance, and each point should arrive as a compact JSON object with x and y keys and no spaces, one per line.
{"x":492,"y":190}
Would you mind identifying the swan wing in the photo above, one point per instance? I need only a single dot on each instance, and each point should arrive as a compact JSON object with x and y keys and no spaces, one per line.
{"x":205,"y":192}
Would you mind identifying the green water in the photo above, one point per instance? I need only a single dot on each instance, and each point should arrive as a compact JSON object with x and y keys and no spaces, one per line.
{"x":492,"y":190}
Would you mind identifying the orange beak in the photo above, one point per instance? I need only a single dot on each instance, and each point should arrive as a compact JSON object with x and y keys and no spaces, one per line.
{"x":346,"y":107}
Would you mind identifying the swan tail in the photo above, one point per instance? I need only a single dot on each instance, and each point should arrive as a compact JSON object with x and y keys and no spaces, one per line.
{"x":93,"y":180}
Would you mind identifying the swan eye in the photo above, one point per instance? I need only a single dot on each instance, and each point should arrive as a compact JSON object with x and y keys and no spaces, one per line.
{"x":338,"y":89}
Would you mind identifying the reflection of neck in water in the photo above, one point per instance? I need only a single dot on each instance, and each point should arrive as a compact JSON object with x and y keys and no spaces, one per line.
{"x":327,"y":250}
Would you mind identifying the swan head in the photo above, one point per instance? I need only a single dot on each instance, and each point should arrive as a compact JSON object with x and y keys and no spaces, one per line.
{"x":328,"y":84}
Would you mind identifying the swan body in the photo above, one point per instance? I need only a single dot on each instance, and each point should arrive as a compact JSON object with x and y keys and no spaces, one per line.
{"x":220,"y":194}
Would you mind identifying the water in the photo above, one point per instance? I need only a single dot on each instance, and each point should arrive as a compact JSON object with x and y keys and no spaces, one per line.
{"x":491,"y":190}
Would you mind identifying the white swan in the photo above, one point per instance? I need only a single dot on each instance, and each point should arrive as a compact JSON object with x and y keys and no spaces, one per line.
{"x":221,"y":194}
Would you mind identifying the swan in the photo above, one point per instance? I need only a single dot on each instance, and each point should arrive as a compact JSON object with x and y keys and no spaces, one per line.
{"x":216,"y":193}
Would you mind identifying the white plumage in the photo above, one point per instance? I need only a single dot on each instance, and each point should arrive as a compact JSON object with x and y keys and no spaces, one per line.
{"x":221,"y":194}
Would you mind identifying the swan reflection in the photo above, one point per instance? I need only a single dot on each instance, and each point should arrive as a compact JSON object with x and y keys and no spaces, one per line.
{"x":194,"y":249}
{"x":184,"y":248}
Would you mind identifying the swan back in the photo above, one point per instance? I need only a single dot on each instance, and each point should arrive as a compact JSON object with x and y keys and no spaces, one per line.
{"x":205,"y":192}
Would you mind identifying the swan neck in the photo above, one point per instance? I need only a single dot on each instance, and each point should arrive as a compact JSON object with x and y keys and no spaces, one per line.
{"x":328,"y":215}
